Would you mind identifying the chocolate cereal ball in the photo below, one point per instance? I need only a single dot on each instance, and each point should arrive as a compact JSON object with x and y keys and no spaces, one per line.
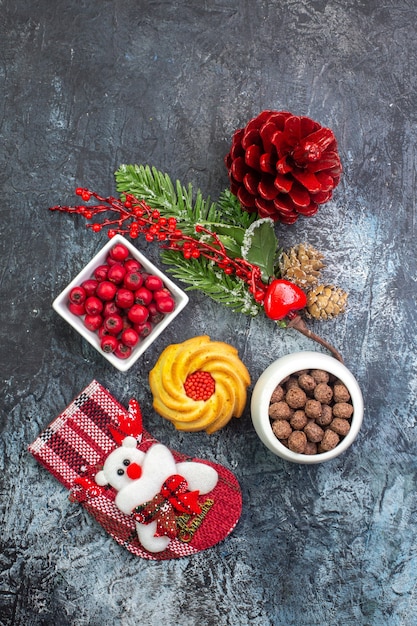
{"x":314,"y":432}
{"x":297,"y":441}
{"x":326,"y":415}
{"x":323,"y":393}
{"x":320,"y":376}
{"x":296,"y":397}
{"x":291,"y":383}
{"x":340,"y":426}
{"x":329,"y":441}
{"x":313,"y":409}
{"x":277,"y":394}
{"x":280,"y":411}
{"x":343,"y":410}
{"x":307,"y":383}
{"x":340,"y":393}
{"x":311,"y":448}
{"x":299,"y":420}
{"x":281,"y":429}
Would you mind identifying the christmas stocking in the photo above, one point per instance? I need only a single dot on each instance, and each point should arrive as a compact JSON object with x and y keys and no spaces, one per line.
{"x":157,"y":503}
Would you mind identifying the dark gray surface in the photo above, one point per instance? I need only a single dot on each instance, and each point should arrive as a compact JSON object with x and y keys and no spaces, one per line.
{"x":86,"y":86}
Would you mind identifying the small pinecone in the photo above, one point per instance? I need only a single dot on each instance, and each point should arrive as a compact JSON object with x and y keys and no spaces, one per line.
{"x":301,"y":265}
{"x":325,"y":302}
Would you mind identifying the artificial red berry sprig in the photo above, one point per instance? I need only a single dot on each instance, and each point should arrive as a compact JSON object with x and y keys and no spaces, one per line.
{"x":135,"y":217}
{"x":280,"y":298}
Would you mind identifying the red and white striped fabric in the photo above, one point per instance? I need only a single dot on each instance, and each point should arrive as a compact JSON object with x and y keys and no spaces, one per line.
{"x":75,"y":445}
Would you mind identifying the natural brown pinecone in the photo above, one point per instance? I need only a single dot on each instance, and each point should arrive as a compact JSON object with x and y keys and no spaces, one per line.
{"x":325,"y":302}
{"x":301,"y":265}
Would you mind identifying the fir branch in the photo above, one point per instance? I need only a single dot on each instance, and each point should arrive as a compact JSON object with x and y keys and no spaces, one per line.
{"x":175,"y":200}
{"x":200,"y":274}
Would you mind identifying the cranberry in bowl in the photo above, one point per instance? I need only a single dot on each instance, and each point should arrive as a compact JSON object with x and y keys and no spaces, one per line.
{"x":120,"y":302}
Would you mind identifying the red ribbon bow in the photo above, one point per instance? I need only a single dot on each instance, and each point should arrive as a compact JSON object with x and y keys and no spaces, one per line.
{"x":173,"y":498}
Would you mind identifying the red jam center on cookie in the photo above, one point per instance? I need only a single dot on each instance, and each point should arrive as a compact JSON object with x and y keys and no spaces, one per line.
{"x":199,"y":385}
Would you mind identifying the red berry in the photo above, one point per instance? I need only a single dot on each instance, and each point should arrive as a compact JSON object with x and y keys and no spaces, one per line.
{"x":153,"y":309}
{"x":122,"y":351}
{"x":131,"y":265}
{"x":138,"y":314}
{"x":116,"y":273}
{"x":119,"y":252}
{"x":77,"y":295}
{"x":124,"y":298}
{"x":93,"y":322}
{"x":106,"y":290}
{"x":109,"y":343}
{"x":133,"y":280}
{"x":157,"y":317}
{"x":165,"y":305}
{"x":90,"y":286}
{"x":102,"y":332}
{"x":76,"y":309}
{"x":110,"y":261}
{"x":100,"y":273}
{"x":93,"y":305}
{"x":143,"y":296}
{"x":130,"y":337}
{"x":113,"y":324}
{"x":161,"y":293}
{"x":110,"y":308}
{"x":154,"y":283}
{"x":143,"y":329}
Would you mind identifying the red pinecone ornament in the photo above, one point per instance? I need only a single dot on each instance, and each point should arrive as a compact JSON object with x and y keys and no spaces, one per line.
{"x":283,"y":165}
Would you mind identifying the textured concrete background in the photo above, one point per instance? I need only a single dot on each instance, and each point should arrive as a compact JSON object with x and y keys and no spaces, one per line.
{"x":88,"y":85}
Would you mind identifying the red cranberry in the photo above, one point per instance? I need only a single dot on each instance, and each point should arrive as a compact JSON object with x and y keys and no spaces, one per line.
{"x":143,"y":329}
{"x":119,"y":252}
{"x":153,"y":309}
{"x":110,"y":261}
{"x":124,"y":298}
{"x":93,"y":305}
{"x":130,"y":337}
{"x":153,"y":283}
{"x":110,"y":308}
{"x":131,"y":265}
{"x":157,"y":317}
{"x":165,"y":305}
{"x":90,"y":286}
{"x":138,"y":314}
{"x":93,"y":322}
{"x":77,"y":295}
{"x":143,"y":296}
{"x":76,"y":309}
{"x":109,"y":343}
{"x":161,"y":293}
{"x":113,"y":324}
{"x":133,"y":280}
{"x":102,"y":331}
{"x":106,"y":290}
{"x":116,"y":273}
{"x":100,"y":273}
{"x":122,"y":351}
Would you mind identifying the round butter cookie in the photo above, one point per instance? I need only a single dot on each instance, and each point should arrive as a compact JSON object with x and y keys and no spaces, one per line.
{"x":199,"y":384}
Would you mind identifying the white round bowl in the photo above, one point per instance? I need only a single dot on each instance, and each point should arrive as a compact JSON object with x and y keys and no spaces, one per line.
{"x":279,"y":370}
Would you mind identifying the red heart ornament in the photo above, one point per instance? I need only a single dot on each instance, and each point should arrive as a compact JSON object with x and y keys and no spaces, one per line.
{"x":282,"y":297}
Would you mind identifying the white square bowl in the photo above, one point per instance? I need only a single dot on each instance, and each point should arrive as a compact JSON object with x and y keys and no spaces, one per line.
{"x":60,"y":304}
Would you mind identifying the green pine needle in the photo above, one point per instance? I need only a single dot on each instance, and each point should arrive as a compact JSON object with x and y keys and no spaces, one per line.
{"x":175,"y":200}
{"x":201,"y":274}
